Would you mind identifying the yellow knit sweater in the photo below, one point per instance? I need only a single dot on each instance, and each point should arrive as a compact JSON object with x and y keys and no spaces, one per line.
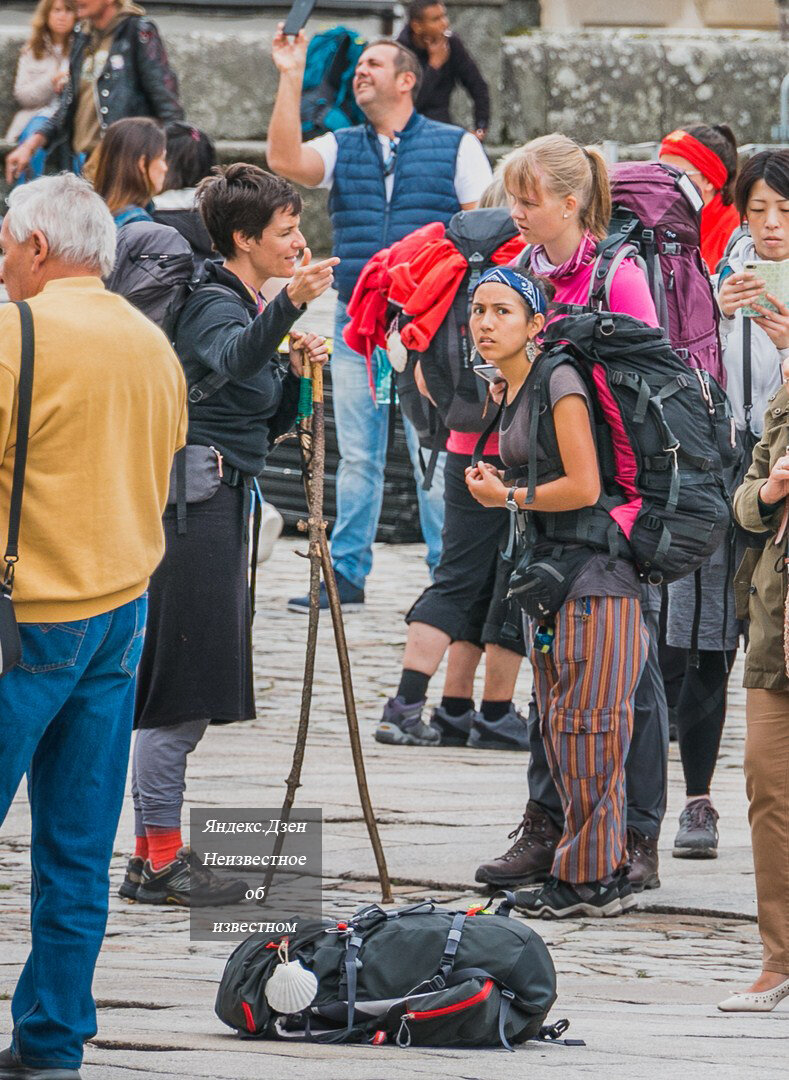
{"x":109,"y":412}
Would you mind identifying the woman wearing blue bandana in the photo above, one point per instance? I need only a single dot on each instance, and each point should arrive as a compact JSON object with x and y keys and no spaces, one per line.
{"x":588,"y":657}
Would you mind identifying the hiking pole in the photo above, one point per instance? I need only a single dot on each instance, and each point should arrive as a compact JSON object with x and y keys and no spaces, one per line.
{"x":353,"y":721}
{"x":312,"y":441}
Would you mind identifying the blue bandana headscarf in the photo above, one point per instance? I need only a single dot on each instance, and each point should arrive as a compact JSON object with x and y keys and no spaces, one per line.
{"x":504,"y":275}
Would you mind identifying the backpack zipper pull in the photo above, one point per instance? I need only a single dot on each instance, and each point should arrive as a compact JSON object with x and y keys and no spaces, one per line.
{"x":403,"y":1037}
{"x":219,"y":459}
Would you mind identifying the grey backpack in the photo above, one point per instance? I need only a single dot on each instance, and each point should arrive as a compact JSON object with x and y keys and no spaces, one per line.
{"x":154,"y":269}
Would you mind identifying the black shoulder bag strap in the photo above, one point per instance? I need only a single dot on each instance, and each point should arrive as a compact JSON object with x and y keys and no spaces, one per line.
{"x":747,"y":373}
{"x":10,"y":642}
{"x":25,"y":397}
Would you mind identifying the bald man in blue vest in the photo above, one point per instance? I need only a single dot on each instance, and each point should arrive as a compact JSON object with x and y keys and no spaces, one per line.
{"x":386,"y":178}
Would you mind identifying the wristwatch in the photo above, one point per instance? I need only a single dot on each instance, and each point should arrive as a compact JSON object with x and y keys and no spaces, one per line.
{"x":510,"y":501}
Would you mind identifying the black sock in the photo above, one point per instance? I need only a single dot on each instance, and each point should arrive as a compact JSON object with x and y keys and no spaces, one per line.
{"x":494,"y":710}
{"x":413,"y":686}
{"x":456,"y":706}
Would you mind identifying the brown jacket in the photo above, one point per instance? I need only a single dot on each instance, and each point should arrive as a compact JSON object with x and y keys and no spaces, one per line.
{"x":759,"y":587}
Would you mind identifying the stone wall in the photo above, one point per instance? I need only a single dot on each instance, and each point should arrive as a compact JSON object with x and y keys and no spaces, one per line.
{"x":633,"y":86}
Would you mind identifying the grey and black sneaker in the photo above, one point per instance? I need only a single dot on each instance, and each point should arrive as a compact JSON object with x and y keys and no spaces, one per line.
{"x":402,"y":725}
{"x":627,"y":897}
{"x":131,"y":883}
{"x":562,"y":900}
{"x":454,"y":730}
{"x":12,"y":1066}
{"x":186,"y":882}
{"x":698,"y":831}
{"x":509,"y":733}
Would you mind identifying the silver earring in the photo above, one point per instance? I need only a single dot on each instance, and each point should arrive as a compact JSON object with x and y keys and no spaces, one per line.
{"x":565,"y":215}
{"x":531,"y":351}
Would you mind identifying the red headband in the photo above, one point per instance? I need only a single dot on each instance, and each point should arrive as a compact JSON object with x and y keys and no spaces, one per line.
{"x":707,"y":161}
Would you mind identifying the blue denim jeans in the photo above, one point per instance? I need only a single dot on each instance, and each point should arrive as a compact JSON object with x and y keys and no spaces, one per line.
{"x":65,"y":719}
{"x":362,"y":431}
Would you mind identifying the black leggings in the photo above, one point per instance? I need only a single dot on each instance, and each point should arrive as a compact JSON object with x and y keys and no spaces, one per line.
{"x":700,"y":713}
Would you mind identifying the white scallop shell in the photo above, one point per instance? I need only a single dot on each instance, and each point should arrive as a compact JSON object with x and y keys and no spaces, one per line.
{"x":291,"y":988}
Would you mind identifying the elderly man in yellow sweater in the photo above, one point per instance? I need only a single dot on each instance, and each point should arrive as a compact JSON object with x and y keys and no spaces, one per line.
{"x":108,"y":413}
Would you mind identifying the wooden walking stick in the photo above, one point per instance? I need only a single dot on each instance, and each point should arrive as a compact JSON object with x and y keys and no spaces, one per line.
{"x":312,"y":440}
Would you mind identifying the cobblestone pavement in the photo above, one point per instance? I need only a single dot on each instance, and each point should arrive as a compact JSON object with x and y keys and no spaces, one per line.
{"x":641,"y":990}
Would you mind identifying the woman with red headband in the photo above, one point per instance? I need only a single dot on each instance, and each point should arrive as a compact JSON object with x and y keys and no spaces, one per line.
{"x":708,"y":155}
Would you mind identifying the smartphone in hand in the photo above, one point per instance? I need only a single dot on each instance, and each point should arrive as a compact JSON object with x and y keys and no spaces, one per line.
{"x":489,"y":372}
{"x":297,"y":16}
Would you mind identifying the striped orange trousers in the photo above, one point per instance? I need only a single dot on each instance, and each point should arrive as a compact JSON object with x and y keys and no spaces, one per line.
{"x":585,"y":688}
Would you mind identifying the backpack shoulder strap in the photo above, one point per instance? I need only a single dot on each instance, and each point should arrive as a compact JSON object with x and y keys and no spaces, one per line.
{"x":611,"y":253}
{"x":747,"y":372}
{"x":209,"y":384}
{"x":24,"y":402}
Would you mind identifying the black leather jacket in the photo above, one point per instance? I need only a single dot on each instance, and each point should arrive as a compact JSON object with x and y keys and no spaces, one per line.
{"x":137,"y":80}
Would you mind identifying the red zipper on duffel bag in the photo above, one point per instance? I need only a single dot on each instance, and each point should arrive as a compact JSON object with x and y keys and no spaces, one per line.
{"x":429,"y":1014}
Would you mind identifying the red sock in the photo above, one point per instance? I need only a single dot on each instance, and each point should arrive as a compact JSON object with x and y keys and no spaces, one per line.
{"x":141,"y":846}
{"x":163,"y":845}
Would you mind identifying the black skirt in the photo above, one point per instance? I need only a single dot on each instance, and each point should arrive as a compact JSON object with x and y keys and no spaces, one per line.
{"x":197,"y":658}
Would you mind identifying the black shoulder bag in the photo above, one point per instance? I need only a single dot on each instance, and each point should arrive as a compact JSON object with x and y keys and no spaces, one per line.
{"x":10,"y":642}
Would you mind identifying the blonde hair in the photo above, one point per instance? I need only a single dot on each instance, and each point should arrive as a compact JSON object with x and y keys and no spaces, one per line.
{"x":564,"y":168}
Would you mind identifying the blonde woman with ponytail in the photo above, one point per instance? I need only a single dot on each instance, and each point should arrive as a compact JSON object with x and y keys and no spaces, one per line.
{"x":590,"y":685}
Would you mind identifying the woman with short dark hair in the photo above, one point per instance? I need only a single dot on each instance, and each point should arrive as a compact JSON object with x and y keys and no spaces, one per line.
{"x":129,"y":168}
{"x":196,"y":666}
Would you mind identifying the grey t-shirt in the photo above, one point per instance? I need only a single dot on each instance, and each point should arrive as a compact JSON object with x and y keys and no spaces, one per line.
{"x":596,"y":579}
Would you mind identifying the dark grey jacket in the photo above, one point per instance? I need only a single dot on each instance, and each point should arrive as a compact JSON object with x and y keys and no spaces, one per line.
{"x":220,"y":330}
{"x":137,"y":80}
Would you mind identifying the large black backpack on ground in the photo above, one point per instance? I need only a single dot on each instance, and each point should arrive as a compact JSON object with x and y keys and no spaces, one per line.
{"x":448,"y":362}
{"x":414,"y":976}
{"x":154,"y":269}
{"x":664,"y":436}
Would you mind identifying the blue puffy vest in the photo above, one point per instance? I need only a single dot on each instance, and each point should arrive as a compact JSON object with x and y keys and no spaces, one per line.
{"x":424,"y":191}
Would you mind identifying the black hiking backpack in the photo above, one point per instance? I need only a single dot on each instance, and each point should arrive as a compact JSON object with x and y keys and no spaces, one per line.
{"x":421,"y":976}
{"x":154,"y":269}
{"x":447,"y":364}
{"x":664,"y":435}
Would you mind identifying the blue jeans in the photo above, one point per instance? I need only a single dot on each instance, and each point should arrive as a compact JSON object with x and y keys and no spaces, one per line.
{"x":362,"y":431}
{"x":65,"y":720}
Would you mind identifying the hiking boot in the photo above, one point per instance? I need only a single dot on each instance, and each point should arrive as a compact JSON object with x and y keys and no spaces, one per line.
{"x":642,"y":855}
{"x":351,"y":598}
{"x":402,"y":725}
{"x":698,"y":831}
{"x":187,"y":883}
{"x":11,"y":1068}
{"x":531,"y":856}
{"x":454,"y":730}
{"x":131,"y":882}
{"x":562,"y":900}
{"x":509,"y":733}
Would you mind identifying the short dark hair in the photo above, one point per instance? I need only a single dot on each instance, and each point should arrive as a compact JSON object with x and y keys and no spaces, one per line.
{"x":406,"y":60}
{"x":191,"y":155}
{"x":772,"y":166}
{"x":417,"y":8}
{"x":242,"y":198}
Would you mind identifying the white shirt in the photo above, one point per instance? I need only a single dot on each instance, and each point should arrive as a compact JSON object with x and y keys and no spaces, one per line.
{"x":472,"y":169}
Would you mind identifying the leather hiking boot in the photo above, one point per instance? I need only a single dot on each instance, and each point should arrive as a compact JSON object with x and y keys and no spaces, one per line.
{"x":531,"y":856}
{"x":642,"y":854}
{"x":131,"y":881}
{"x":11,"y":1068}
{"x":186,"y":882}
{"x":402,"y":725}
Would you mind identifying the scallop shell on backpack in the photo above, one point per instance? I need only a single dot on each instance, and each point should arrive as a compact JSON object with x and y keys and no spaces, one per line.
{"x":291,"y":988}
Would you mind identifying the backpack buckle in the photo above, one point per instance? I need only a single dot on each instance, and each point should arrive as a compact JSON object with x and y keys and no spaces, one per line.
{"x":648,"y":235}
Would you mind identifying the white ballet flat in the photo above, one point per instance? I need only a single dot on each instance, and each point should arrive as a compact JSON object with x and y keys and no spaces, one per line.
{"x":764,"y":1002}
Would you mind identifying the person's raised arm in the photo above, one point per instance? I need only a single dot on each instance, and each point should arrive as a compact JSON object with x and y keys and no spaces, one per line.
{"x":285,"y":152}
